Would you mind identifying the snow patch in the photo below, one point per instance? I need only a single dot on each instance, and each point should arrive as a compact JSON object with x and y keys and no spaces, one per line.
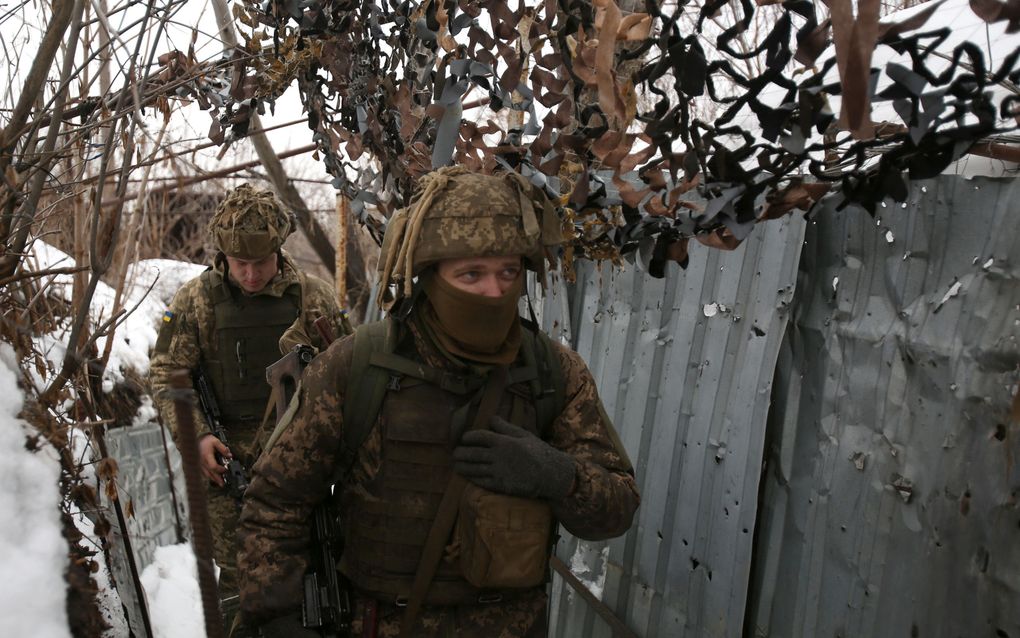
{"x":171,"y":589}
{"x":33,"y":553}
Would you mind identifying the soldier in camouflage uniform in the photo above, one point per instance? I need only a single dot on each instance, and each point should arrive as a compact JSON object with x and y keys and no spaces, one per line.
{"x":232,"y":321}
{"x":457,"y":255}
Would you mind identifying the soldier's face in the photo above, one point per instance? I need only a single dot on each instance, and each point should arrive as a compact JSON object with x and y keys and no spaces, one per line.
{"x":252,"y":275}
{"x":486,"y":276}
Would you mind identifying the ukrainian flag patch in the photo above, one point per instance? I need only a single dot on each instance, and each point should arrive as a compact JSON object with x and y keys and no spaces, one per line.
{"x":168,"y":316}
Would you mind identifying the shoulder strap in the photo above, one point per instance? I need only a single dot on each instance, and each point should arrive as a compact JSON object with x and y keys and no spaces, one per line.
{"x":446,"y":515}
{"x":549,"y":389}
{"x":366,"y":387}
{"x":214,"y":286}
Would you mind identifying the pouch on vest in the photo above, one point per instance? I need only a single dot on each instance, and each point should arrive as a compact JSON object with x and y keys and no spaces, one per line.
{"x":503,"y":540}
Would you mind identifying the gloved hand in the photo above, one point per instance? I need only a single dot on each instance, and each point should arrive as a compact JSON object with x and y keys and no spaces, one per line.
{"x":510,"y":460}
{"x":289,"y":626}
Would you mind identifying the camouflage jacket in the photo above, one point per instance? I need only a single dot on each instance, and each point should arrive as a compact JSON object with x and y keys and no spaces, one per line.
{"x":191,"y":328}
{"x":295,"y":475}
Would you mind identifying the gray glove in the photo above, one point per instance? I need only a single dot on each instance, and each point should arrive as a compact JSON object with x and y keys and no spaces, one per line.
{"x":289,"y":626}
{"x":510,"y":460}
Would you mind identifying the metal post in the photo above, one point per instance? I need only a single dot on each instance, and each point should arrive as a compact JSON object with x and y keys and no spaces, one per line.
{"x":183,"y":394}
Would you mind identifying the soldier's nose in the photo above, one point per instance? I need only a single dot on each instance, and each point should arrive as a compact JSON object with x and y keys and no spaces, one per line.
{"x":490,"y":287}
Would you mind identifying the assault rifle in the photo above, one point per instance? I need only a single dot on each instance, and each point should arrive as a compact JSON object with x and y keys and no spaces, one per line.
{"x":326,"y":605}
{"x":236,"y":479}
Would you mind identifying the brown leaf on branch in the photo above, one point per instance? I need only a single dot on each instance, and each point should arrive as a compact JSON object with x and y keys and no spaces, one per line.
{"x":720,"y":238}
{"x":996,"y":11}
{"x":798,"y":195}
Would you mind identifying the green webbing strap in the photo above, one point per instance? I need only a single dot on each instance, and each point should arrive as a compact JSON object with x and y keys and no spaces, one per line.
{"x":548,"y":387}
{"x":366,"y":388}
{"x":217,"y":290}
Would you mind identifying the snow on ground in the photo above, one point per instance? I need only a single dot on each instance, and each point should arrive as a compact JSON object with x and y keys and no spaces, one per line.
{"x":33,"y":553}
{"x":171,"y":588}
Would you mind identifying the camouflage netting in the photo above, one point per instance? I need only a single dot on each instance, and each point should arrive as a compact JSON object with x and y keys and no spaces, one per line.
{"x":649,"y":123}
{"x":250,"y":223}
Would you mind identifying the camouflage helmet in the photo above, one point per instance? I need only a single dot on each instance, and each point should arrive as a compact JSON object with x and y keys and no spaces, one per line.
{"x":458,"y":213}
{"x":250,"y":223}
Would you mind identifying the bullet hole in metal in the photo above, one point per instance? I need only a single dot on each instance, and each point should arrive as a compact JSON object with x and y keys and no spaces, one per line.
{"x":758,"y":332}
{"x":694,"y":563}
{"x":726,"y":511}
{"x":889,"y":238}
{"x":842,"y":528}
{"x":904,"y":487}
{"x":1000,"y":432}
{"x":684,"y":541}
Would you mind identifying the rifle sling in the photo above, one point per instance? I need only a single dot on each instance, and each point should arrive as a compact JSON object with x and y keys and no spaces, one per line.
{"x":439,"y":533}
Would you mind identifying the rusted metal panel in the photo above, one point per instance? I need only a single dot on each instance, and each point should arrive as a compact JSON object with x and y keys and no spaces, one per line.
{"x":684,"y":366}
{"x":890,"y":505}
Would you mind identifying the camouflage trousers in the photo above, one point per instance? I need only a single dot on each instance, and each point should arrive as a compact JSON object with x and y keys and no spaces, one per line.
{"x":224,"y":519}
{"x":521,"y":618}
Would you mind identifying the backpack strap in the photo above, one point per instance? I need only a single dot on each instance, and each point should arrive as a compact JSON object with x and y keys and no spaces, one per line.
{"x":366,"y":387}
{"x":549,"y":387}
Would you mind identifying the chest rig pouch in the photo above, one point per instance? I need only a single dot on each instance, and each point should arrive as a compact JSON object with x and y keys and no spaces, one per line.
{"x":246,"y":341}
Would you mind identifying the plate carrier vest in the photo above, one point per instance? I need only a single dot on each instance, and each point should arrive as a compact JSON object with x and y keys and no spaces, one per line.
{"x":387,"y":520}
{"x":246,"y":341}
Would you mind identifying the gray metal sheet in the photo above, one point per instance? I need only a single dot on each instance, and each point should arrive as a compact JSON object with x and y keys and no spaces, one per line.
{"x":890,"y":507}
{"x":689,"y":395}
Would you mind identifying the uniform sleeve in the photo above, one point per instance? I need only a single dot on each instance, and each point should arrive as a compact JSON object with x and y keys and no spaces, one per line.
{"x":289,"y":480}
{"x":605,"y":496}
{"x":177,"y":347}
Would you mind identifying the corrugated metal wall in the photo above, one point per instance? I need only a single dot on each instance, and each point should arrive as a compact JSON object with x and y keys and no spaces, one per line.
{"x":684,"y":366}
{"x":891,"y":506}
{"x":881,"y":415}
